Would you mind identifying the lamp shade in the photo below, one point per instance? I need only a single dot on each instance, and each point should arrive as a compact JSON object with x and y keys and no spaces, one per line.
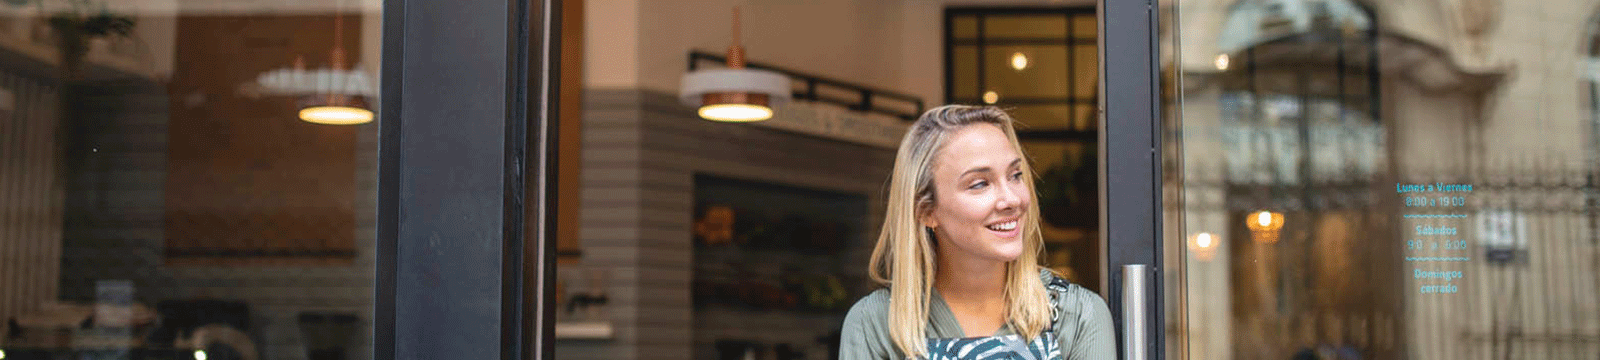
{"x":292,"y":81}
{"x":335,"y":110}
{"x":740,"y":94}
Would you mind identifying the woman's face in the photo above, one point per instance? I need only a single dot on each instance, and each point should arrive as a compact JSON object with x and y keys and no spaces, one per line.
{"x":980,"y":195}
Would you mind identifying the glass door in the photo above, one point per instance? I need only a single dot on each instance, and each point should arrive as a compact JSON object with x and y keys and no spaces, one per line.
{"x":345,"y":179}
{"x":1358,"y":180}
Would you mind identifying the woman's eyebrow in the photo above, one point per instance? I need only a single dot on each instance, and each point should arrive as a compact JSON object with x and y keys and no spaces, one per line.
{"x":984,"y":169}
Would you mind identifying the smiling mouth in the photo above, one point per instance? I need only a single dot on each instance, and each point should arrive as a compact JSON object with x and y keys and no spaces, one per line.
{"x":1005,"y":226}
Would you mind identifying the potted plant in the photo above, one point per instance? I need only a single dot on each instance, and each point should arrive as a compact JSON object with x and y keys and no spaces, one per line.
{"x":74,"y":27}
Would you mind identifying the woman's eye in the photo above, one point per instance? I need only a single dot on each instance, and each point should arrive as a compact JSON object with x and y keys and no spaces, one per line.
{"x":1016,"y":176}
{"x":978,"y":185}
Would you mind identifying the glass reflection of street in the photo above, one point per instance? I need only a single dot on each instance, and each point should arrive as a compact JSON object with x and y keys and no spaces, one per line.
{"x":1384,"y":180}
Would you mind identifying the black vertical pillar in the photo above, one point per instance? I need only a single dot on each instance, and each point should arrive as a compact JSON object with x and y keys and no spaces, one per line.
{"x":1130,"y":157}
{"x":462,"y":264}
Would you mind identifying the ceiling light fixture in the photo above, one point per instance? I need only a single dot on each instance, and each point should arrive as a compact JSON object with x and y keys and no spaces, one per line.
{"x":333,"y":95}
{"x":331,"y":107}
{"x":736,"y":93}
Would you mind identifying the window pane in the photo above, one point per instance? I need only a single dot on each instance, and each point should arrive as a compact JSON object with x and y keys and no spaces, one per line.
{"x":1067,"y":188}
{"x":1043,"y":76}
{"x":1432,"y":210}
{"x":1086,"y":117}
{"x":1086,"y":63}
{"x":172,"y":173}
{"x":1042,"y":117}
{"x":1085,"y":26}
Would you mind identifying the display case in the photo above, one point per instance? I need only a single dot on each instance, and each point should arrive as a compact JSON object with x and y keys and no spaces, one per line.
{"x":776,"y":268}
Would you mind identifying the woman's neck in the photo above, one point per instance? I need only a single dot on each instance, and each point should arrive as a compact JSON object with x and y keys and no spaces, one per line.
{"x":974,"y":290}
{"x":970,"y":281}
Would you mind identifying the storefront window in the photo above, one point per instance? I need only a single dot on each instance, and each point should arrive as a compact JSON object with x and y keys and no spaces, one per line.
{"x":187,"y":179}
{"x":1380,"y":180}
{"x":1041,"y":65}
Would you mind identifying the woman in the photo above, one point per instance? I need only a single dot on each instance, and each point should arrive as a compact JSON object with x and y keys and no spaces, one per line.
{"x":958,"y":254}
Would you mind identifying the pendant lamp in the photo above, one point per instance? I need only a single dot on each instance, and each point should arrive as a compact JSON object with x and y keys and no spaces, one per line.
{"x":735,"y":93}
{"x":334,"y":105}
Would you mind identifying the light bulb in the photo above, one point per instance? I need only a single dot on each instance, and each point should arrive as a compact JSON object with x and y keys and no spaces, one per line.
{"x":1203,"y":240}
{"x":336,"y":115}
{"x":1222,"y":62}
{"x":735,"y":112}
{"x":1019,"y":61}
{"x":1264,"y":218}
{"x":991,"y":97}
{"x":199,"y":355}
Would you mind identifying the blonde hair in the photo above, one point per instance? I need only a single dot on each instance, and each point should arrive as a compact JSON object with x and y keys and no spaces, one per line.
{"x":904,"y":258}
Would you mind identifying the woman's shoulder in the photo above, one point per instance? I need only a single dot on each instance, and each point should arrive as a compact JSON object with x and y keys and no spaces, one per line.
{"x":869,"y":320}
{"x":1072,"y":301}
{"x":865,"y":332}
{"x":873,"y":308}
{"x":1083,"y":322}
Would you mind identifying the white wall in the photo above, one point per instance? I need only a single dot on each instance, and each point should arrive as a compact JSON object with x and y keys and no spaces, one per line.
{"x":890,"y":44}
{"x":611,"y":48}
{"x":844,"y":39}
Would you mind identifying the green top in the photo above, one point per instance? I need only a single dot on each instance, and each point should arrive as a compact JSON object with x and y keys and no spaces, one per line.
{"x":1083,"y":326}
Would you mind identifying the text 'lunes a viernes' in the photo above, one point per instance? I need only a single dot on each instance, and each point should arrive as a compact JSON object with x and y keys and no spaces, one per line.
{"x":1425,"y":250}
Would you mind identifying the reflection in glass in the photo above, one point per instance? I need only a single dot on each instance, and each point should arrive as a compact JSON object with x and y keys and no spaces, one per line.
{"x":160,"y":195}
{"x":1378,"y":191}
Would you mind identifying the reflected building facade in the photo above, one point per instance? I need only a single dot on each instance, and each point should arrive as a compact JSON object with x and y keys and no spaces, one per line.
{"x":1427,"y":169}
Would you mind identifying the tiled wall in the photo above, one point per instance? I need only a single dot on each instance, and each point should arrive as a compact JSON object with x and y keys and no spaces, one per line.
{"x":30,"y":195}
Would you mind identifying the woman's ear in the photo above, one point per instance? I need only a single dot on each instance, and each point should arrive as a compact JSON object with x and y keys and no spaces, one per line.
{"x":925,"y":216}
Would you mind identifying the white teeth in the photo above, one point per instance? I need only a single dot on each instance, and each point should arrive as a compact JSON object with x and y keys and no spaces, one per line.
{"x":1005,"y":226}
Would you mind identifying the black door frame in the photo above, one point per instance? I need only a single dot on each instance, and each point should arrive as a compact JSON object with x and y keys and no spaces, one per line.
{"x":464,"y":267}
{"x":1130,"y":160}
{"x":464,"y":163}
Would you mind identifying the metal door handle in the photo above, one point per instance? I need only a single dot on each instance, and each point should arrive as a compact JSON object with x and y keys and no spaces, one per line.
{"x":1134,"y":312}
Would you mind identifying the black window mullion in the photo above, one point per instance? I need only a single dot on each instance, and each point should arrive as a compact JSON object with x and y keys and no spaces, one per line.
{"x":1072,"y":75}
{"x":983,"y":81}
{"x":949,"y":58}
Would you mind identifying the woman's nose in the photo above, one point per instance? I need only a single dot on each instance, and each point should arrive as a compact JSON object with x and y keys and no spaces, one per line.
{"x":1009,"y":197}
